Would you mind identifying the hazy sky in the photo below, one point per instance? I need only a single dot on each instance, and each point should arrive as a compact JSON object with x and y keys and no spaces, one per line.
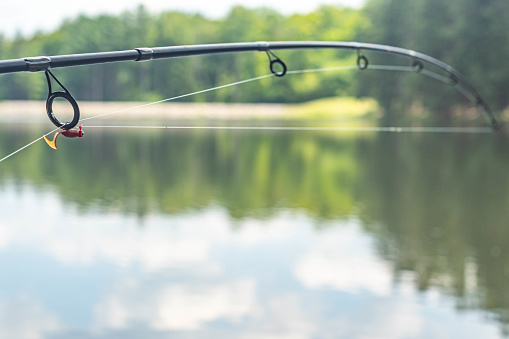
{"x":30,"y":15}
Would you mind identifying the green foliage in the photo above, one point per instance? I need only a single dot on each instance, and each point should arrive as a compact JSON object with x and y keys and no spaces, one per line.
{"x":344,"y":109}
{"x":470,"y":35}
{"x":165,"y":78}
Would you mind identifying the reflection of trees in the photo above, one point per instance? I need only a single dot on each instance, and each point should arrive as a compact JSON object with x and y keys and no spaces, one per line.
{"x":250,"y":173}
{"x":439,"y":205}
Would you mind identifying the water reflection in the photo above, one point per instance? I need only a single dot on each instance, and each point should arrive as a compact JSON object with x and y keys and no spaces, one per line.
{"x":446,"y":219}
{"x":293,"y":234}
{"x":168,"y":172}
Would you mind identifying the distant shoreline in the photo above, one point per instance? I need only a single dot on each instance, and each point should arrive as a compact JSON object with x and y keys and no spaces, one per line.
{"x":343,"y":107}
{"x":21,"y":110}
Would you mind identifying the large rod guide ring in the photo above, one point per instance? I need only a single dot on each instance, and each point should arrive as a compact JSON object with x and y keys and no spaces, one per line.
{"x":65,"y":94}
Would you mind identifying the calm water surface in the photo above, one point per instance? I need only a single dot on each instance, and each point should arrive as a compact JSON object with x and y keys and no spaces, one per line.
{"x":224,"y":234}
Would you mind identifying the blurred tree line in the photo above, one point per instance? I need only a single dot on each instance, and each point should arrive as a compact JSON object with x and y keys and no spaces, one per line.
{"x":470,"y":35}
{"x":164,"y":78}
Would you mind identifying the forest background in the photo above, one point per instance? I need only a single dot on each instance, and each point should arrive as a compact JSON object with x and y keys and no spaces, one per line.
{"x":470,"y":35}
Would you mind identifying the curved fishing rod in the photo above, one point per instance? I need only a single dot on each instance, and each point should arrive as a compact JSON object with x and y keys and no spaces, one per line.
{"x":44,"y":63}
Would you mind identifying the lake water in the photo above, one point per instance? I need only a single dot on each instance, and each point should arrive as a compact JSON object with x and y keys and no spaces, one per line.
{"x":254,"y":234}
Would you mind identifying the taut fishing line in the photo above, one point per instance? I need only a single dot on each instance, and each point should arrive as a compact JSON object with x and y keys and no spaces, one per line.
{"x":304,"y":128}
{"x":182,"y":96}
{"x":27,"y":145}
{"x":288,"y":128}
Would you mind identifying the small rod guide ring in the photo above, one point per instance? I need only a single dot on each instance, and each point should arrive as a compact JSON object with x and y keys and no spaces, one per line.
{"x":453,"y":80}
{"x":274,"y":60}
{"x":362,"y":61}
{"x":417,"y":66}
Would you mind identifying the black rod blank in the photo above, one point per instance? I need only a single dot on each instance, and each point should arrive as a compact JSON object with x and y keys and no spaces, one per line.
{"x":140,"y":54}
{"x":34,"y":64}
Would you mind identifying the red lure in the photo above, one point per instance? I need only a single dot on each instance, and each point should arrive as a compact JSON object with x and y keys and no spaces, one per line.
{"x":69,"y":133}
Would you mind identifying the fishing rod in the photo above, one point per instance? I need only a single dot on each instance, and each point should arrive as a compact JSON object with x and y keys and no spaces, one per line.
{"x":277,"y":66}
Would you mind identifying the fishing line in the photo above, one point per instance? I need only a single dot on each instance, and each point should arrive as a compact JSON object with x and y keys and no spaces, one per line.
{"x":436,"y":76}
{"x":314,"y":70}
{"x":311,"y":70}
{"x":286,"y":128}
{"x":183,"y":96}
{"x":27,"y":145}
{"x":324,"y":69}
{"x":392,"y":68}
{"x":304,"y":128}
{"x":144,"y":105}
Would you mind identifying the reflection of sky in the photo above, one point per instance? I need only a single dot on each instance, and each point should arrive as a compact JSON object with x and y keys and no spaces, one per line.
{"x":71,"y":274}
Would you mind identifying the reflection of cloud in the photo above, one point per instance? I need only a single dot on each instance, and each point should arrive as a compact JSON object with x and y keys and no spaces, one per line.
{"x":278,"y":228}
{"x":286,"y":316}
{"x":168,"y":242}
{"x":157,"y":242}
{"x":176,"y":307}
{"x":184,"y":308}
{"x":382,"y":318}
{"x":292,"y":316}
{"x":211,"y":290}
{"x":5,"y":235}
{"x":155,"y":250}
{"x":24,"y":318}
{"x":343,"y":259}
